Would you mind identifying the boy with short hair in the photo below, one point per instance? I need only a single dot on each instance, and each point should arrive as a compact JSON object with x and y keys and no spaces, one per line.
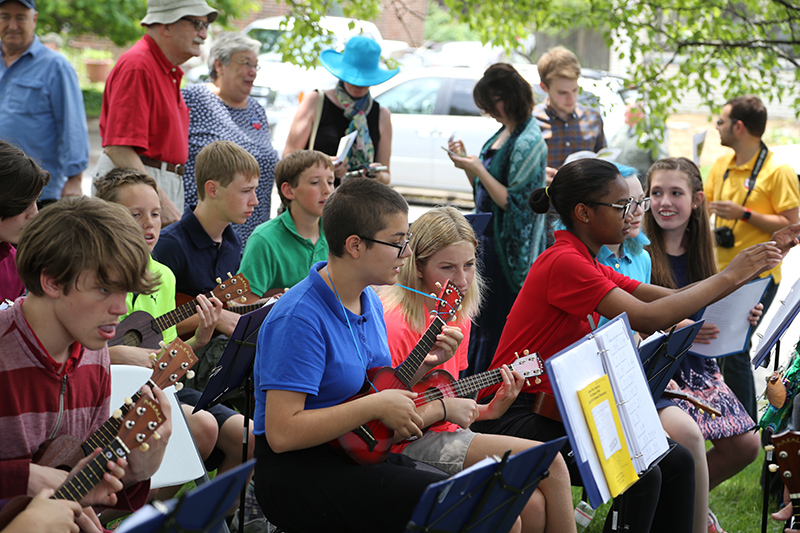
{"x":280,"y":251}
{"x":21,"y":183}
{"x":78,"y":258}
{"x":203,"y":245}
{"x":567,"y":126}
{"x":311,"y":356}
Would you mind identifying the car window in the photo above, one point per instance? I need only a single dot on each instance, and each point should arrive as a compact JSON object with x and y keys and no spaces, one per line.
{"x":414,"y":97}
{"x":462,"y":103}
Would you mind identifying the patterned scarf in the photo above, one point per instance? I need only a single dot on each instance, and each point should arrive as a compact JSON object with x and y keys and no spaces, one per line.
{"x":362,"y":152}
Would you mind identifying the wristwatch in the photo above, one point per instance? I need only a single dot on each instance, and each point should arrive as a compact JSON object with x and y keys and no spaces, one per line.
{"x":747,"y":214}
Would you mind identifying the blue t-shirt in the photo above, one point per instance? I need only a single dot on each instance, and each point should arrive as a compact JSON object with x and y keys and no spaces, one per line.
{"x":634,"y":263}
{"x":305,"y":345}
{"x":195,"y":259}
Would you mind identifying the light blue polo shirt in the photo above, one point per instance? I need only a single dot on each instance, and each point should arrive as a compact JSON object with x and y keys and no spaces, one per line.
{"x":634,"y":263}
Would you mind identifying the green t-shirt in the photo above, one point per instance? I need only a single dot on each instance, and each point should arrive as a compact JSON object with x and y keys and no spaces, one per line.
{"x":277,"y":257}
{"x":160,"y":302}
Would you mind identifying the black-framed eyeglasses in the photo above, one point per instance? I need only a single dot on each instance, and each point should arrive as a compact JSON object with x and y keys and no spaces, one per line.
{"x":247,"y":64}
{"x":401,"y":248}
{"x":626,"y":207}
{"x":644,"y":203}
{"x":199,"y":25}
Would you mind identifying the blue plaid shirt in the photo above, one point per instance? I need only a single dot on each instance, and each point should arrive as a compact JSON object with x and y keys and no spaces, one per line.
{"x":583,"y":130}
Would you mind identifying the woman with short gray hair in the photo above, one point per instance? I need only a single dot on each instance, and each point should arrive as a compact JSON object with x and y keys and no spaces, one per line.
{"x":223,"y":110}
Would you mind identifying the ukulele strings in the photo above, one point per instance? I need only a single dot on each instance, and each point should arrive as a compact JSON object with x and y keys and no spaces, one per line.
{"x":449,"y":390}
{"x":431,"y":296}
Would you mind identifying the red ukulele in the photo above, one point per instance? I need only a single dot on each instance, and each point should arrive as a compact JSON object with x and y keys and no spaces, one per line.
{"x":172,"y":364}
{"x":370,"y":443}
{"x":133,"y":429}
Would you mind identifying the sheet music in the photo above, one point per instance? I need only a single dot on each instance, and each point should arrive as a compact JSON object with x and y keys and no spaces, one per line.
{"x":643,"y":428}
{"x":344,"y":145}
{"x":787,"y":310}
{"x":576,"y":369}
{"x":730,"y":315}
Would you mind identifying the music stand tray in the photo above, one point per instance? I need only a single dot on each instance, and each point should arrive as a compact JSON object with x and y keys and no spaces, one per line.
{"x":486,"y":497}
{"x":236,"y":363}
{"x":201,"y":510}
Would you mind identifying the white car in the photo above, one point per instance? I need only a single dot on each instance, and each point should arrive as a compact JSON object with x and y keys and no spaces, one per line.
{"x":430,"y":105}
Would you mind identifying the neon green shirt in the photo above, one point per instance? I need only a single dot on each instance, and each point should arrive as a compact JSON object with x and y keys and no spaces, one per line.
{"x":160,"y":302}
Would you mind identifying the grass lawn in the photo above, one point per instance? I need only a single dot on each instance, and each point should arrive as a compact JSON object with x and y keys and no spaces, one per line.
{"x":737,"y":503}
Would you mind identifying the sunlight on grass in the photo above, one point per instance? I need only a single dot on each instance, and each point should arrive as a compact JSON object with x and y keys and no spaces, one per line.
{"x":737,"y":503}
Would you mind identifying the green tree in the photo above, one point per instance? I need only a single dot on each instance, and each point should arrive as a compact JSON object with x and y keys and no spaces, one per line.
{"x":673,"y":46}
{"x":117,"y":20}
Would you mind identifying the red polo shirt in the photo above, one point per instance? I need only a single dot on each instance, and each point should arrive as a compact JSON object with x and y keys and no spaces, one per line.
{"x":143,"y":106}
{"x":563,"y":286}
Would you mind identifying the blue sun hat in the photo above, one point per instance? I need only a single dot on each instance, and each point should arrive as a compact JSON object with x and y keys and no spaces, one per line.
{"x":359,"y":64}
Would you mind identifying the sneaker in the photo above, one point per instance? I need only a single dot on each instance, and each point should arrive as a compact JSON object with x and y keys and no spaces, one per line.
{"x":713,"y":523}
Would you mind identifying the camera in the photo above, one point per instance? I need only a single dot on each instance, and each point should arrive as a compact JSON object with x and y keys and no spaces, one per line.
{"x":724,"y":237}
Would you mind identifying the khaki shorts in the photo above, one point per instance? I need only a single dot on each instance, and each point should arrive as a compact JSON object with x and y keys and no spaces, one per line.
{"x":169,"y":182}
{"x":446,"y":450}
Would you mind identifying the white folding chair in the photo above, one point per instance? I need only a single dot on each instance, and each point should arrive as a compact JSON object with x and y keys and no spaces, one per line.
{"x":182,"y":462}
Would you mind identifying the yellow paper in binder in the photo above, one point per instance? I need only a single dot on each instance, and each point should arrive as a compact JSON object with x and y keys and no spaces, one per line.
{"x":602,"y":417}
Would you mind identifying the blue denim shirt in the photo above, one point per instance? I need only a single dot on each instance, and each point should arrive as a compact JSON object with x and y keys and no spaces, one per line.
{"x":41,"y":111}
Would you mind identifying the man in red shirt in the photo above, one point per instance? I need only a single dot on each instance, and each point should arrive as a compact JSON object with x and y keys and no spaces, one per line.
{"x":144,"y":122}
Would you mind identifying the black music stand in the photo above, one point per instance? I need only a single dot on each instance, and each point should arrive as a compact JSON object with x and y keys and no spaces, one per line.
{"x":486,"y":497}
{"x":659,"y":359}
{"x":201,"y":510}
{"x":234,"y":373}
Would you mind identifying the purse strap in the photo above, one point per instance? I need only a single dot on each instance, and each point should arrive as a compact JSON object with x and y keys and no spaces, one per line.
{"x":317,"y":118}
{"x":751,"y":181}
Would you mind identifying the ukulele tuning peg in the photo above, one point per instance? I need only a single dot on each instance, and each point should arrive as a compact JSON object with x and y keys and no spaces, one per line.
{"x":769,"y":448}
{"x":218,"y":280}
{"x":526,"y":352}
{"x":773,"y":468}
{"x":459,"y":308}
{"x":178,"y":386}
{"x":118,"y":414}
{"x":433,"y":295}
{"x":156,"y":435}
{"x":162,"y":344}
{"x":528,"y":382}
{"x":438,"y":285}
{"x":228,"y":274}
{"x":190,"y":374}
{"x":538,"y":380}
{"x":144,"y":447}
{"x":128,"y":400}
{"x":152,"y":356}
{"x":243,"y":299}
{"x":516,"y":354}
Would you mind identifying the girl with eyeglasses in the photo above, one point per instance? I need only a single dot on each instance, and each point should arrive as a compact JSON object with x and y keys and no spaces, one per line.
{"x":629,"y":257}
{"x":682,"y":251}
{"x":566,"y":283}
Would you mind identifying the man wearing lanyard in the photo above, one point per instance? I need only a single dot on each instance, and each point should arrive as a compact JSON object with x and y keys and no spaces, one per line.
{"x":144,"y":122}
{"x":752,"y":195}
{"x":41,"y":105}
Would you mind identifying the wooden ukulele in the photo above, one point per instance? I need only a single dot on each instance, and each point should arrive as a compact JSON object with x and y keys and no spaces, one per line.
{"x":371,"y":442}
{"x":66,"y":451}
{"x":134,"y":428}
{"x":787,"y":454}
{"x":701,"y":405}
{"x":141,"y":329}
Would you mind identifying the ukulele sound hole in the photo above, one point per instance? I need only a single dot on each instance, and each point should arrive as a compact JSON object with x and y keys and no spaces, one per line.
{"x":132,"y":338}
